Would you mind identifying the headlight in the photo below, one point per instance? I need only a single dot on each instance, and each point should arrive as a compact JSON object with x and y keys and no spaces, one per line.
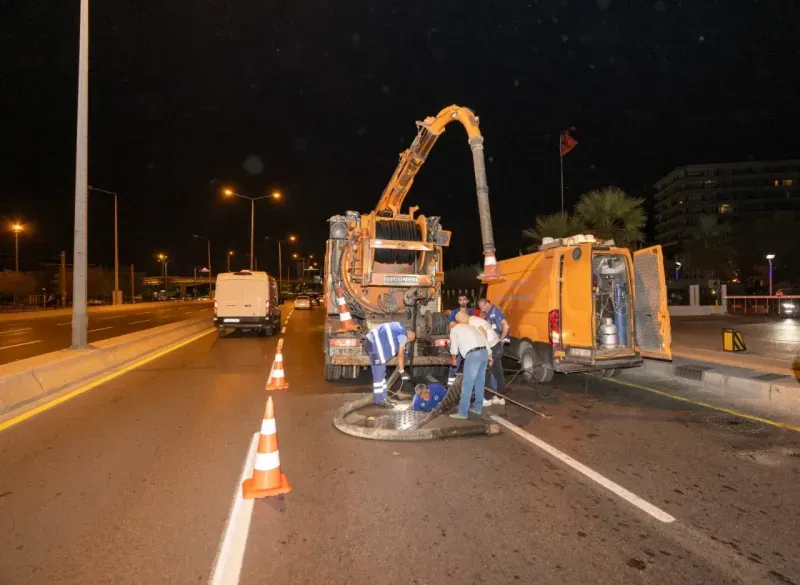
{"x":788,"y":305}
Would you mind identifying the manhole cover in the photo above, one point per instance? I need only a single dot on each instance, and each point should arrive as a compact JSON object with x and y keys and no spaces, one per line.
{"x":732,"y":423}
{"x":400,"y":420}
{"x":691,"y":372}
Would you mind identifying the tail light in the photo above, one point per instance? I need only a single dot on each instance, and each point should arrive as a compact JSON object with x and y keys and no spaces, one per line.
{"x":266,"y":305}
{"x":443,"y":342}
{"x":554,"y":328}
{"x":345,"y":342}
{"x":215,"y":308}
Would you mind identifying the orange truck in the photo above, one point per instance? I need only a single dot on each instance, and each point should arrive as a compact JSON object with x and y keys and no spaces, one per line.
{"x":581,"y":305}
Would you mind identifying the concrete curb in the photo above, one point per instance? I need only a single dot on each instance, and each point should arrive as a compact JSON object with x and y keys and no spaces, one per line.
{"x":779,"y":397}
{"x":26,"y":382}
{"x":44,"y":314}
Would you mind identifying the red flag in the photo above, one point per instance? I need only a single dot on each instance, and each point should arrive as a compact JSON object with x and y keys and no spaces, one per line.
{"x":567,"y":141}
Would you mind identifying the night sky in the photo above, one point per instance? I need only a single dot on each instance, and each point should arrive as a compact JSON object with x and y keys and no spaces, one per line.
{"x":318,"y":98}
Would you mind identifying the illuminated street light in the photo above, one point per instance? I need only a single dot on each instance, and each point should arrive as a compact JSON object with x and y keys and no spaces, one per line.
{"x":17,"y":228}
{"x":280,"y":256}
{"x":228,"y":192}
{"x":677,"y":268}
{"x":770,"y":258}
{"x":230,"y":254}
{"x":163,"y":258}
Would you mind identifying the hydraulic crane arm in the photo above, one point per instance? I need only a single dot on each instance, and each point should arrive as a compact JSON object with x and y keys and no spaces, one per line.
{"x":412,"y":159}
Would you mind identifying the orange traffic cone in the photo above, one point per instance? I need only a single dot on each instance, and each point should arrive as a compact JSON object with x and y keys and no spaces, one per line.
{"x":345,"y":318}
{"x":267,"y":478}
{"x":277,"y":379}
{"x":490,"y":268}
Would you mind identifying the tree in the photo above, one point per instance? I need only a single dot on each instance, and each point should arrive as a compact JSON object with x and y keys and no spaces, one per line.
{"x":557,"y":225}
{"x":19,"y":284}
{"x":610,"y":214}
{"x":709,"y":251}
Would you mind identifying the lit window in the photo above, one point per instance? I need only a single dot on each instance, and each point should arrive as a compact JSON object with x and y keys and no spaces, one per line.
{"x":788,"y":182}
{"x":725,"y":208}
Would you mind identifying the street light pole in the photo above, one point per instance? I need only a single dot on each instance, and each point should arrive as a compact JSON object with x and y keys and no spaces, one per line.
{"x":117,"y":296}
{"x":80,"y":318}
{"x":252,"y":230}
{"x":232,"y":193}
{"x":770,"y":258}
{"x":208,"y":241}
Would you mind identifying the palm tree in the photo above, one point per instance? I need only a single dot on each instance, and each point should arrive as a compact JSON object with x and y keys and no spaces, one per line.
{"x":610,"y":214}
{"x":709,"y":250}
{"x":557,"y":225}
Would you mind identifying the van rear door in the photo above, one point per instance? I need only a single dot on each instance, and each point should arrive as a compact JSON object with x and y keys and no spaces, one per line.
{"x":241,"y":297}
{"x":651,"y":315}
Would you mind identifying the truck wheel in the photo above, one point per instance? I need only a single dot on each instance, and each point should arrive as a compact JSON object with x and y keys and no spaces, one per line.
{"x":261,"y":332}
{"x":269,"y":331}
{"x":534,"y":369}
{"x":333,"y":372}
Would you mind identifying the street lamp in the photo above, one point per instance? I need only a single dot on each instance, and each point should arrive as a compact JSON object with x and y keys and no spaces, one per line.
{"x":17,"y":228}
{"x":274,"y":195}
{"x":280,"y":256}
{"x":770,"y":258}
{"x":230,"y":253}
{"x":117,"y":295}
{"x":163,"y":258}
{"x":209,"y":260}
{"x":677,"y":268}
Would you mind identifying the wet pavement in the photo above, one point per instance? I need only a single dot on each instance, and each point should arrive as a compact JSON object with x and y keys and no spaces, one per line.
{"x":133,"y":482}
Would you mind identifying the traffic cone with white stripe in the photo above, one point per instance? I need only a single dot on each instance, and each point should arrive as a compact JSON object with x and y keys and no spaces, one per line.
{"x":267,"y":478}
{"x":346,"y":322}
{"x":490,"y":268}
{"x":277,"y":378}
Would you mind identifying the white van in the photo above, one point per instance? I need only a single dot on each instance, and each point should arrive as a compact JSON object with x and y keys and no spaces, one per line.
{"x":247,"y":300}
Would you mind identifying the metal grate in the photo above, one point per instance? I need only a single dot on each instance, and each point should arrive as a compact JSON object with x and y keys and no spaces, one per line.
{"x":691,"y":372}
{"x":648,"y":301}
{"x":402,"y":420}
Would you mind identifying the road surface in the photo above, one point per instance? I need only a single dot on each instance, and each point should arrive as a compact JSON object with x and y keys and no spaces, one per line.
{"x":26,"y":337}
{"x":133,"y":482}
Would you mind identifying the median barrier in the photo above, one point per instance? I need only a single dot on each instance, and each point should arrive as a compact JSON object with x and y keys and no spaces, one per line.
{"x":26,"y":383}
{"x":46,"y":313}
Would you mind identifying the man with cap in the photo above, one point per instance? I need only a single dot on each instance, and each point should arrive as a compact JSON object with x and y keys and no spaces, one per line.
{"x":382,"y":343}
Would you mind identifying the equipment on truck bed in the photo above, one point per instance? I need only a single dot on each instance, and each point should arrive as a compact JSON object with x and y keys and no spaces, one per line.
{"x":387,"y":266}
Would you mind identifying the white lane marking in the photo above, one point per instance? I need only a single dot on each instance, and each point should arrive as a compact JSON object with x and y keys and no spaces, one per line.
{"x":142,"y":321}
{"x":230,"y":554}
{"x":7,"y":331}
{"x":626,"y":495}
{"x":187,"y":312}
{"x":98,"y":329}
{"x":67,"y":323}
{"x":21,"y":344}
{"x":109,"y":318}
{"x":287,"y":321}
{"x":143,"y":313}
{"x":283,"y":330}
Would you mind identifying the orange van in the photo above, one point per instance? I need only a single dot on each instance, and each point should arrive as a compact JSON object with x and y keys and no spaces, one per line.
{"x":581,"y":305}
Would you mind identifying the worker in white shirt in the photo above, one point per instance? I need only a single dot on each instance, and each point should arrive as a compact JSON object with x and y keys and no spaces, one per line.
{"x":473,"y":346}
{"x":494,"y":344}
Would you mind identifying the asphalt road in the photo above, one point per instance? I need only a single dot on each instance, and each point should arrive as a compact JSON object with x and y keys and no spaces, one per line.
{"x":132,"y":482}
{"x":26,"y":337}
{"x":772,"y":337}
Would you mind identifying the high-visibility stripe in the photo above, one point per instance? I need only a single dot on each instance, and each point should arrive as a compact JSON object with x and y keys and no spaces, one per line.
{"x":489,"y":260}
{"x":379,"y":345}
{"x":267,"y":461}
{"x":279,"y":358}
{"x":390,"y":337}
{"x":341,"y":300}
{"x":378,"y":390}
{"x":277,"y":373}
{"x":268,"y":426}
{"x":344,"y":316}
{"x":377,"y":384}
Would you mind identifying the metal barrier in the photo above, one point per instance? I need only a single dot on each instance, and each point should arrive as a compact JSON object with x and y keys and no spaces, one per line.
{"x":764,"y":305}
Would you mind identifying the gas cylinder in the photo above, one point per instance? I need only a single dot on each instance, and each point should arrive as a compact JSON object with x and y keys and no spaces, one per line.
{"x":608,"y":333}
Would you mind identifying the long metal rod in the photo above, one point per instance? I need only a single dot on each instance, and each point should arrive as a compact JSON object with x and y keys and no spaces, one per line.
{"x":16,"y":252}
{"x":116,"y":254}
{"x":561,"y":160}
{"x":210,"y":279}
{"x":512,"y":401}
{"x":80,"y":318}
{"x":252,"y":231}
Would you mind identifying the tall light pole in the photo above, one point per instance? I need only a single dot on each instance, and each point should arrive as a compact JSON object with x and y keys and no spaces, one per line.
{"x":230,"y":254}
{"x":231,"y":193}
{"x":677,"y":269}
{"x":164,"y":259}
{"x":117,"y":296}
{"x":80,"y":318}
{"x":280,"y":256}
{"x":770,"y":258}
{"x":17,"y":229}
{"x":210,"y":288}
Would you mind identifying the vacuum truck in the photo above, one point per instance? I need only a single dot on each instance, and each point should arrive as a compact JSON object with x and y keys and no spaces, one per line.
{"x":386,"y":265}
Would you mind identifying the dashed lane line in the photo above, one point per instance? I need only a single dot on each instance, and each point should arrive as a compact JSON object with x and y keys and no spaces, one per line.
{"x":62,"y":324}
{"x":617,"y":489}
{"x":283,"y":330}
{"x":21,"y":344}
{"x":99,"y":329}
{"x":142,"y":321}
{"x":9,"y":331}
{"x":230,"y":554}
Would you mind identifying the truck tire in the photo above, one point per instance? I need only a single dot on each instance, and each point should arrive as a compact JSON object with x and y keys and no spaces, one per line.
{"x":261,"y":332}
{"x":269,"y":331}
{"x":333,"y":372}
{"x":535,"y":369}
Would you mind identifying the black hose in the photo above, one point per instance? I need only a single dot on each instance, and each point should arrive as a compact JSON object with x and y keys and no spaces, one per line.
{"x":392,"y":229}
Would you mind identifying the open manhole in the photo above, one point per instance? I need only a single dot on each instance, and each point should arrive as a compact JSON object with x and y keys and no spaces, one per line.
{"x":732,"y":423}
{"x":402,"y":420}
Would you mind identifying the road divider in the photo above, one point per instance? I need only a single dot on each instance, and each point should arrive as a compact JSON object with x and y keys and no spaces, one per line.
{"x":33,"y":385}
{"x":48,"y":313}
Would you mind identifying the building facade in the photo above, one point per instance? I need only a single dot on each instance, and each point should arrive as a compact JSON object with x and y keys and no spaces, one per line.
{"x":731,"y":192}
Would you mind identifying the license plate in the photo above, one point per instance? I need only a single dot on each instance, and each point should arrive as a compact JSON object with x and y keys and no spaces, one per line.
{"x":346,"y":351}
{"x":230,"y":320}
{"x":580,"y":352}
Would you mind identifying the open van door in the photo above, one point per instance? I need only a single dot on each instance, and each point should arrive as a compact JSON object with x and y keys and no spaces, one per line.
{"x":653,"y":329}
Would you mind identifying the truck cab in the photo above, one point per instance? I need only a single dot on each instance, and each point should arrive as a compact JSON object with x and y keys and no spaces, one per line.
{"x":581,"y":305}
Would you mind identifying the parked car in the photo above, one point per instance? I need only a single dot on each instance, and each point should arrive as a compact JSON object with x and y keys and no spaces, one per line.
{"x":789,"y":307}
{"x":302,"y":302}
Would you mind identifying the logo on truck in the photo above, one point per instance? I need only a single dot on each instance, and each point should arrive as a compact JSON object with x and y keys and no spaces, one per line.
{"x":400,"y":279}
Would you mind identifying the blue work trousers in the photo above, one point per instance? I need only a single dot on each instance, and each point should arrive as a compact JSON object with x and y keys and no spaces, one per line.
{"x":379,"y":382}
{"x":474,"y":376}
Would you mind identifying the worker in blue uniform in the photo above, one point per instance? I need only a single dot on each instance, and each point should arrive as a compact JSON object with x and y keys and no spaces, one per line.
{"x":427,"y":397}
{"x":463,"y":307}
{"x":382,"y":343}
{"x":497,"y":320}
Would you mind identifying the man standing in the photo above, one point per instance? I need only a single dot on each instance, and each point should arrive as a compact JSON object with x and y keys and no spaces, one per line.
{"x":471,"y":345}
{"x":463,"y":307}
{"x":383,"y":343}
{"x":496,"y":349}
{"x":498,"y":323}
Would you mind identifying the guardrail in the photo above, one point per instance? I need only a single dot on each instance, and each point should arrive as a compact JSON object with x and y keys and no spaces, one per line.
{"x":763,"y":305}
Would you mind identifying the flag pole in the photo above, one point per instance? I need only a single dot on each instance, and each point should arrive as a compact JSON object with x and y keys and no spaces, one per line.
{"x":561,"y":160}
